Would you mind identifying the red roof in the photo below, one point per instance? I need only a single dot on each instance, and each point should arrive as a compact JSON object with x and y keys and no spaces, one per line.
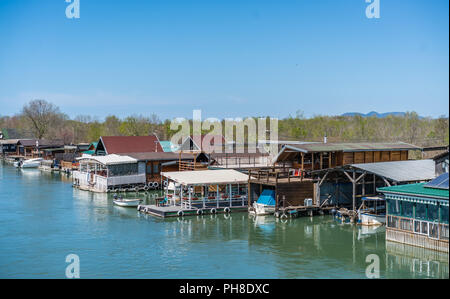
{"x":131,"y":144}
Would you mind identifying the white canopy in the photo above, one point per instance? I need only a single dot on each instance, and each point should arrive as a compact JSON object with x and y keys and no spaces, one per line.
{"x":207,"y":177}
{"x":109,"y":159}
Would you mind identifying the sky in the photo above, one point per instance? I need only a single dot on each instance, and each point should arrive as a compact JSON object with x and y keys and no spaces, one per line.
{"x":228,"y":58}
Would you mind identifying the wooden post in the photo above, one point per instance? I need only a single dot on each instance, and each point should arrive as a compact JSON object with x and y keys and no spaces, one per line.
{"x":321,"y":160}
{"x":217,"y":196}
{"x":204,"y":195}
{"x":249,"y":192}
{"x":312,"y":161}
{"x":303,"y":162}
{"x":181,"y":197}
{"x":363,"y":186}
{"x":229,"y":195}
{"x":190,"y":197}
{"x":354,"y":190}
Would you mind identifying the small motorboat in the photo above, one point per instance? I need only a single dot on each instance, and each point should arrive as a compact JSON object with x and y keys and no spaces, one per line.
{"x":132,"y":203}
{"x":265,"y":205}
{"x":372,"y":211}
{"x":31,"y":163}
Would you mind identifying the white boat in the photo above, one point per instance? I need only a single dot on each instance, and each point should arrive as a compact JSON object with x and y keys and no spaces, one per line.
{"x":265,"y":205}
{"x":372,"y":211}
{"x":31,"y":163}
{"x":127,"y":202}
{"x":372,"y":219}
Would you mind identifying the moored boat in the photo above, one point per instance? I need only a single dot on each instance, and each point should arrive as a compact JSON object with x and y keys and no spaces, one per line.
{"x":31,"y":163}
{"x":127,"y":202}
{"x":372,"y":211}
{"x":265,"y":205}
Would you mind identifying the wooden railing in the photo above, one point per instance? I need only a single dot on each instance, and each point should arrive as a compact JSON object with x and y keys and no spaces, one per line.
{"x":433,"y":230}
{"x":190,"y":166}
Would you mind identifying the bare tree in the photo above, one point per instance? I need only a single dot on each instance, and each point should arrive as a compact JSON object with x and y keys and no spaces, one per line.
{"x":41,"y":115}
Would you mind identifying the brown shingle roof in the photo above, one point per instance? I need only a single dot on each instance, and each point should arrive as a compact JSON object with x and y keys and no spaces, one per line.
{"x":131,"y":144}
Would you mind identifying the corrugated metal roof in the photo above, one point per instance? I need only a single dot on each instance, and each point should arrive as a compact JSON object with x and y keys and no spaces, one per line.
{"x":401,"y":171}
{"x":109,"y":159}
{"x":207,"y":177}
{"x":417,"y":190}
{"x":351,"y":147}
{"x":168,"y":146}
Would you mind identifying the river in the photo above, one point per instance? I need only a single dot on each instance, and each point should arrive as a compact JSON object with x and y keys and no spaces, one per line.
{"x":43,"y":219}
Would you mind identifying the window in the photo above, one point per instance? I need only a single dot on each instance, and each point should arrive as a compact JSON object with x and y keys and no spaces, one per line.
{"x":444,"y":214}
{"x":421,"y":211}
{"x":424,"y":227}
{"x":393,"y":207}
{"x":433,"y":212}
{"x":155,"y":168}
{"x":407,"y":209}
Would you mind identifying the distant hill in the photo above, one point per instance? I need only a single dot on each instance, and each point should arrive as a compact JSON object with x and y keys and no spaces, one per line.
{"x":374,"y":113}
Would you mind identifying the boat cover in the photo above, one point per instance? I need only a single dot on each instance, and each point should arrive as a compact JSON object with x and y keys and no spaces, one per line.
{"x":267,"y":197}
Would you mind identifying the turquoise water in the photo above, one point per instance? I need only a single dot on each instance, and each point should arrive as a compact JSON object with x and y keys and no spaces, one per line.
{"x":43,"y":219}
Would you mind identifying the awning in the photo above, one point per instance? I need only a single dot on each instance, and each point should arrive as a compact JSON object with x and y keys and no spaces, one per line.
{"x":207,"y":177}
{"x":109,"y":159}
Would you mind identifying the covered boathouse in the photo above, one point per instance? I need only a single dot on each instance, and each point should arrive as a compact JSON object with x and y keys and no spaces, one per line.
{"x":200,"y":192}
{"x":108,"y":173}
{"x":313,"y":176}
{"x":417,"y":214}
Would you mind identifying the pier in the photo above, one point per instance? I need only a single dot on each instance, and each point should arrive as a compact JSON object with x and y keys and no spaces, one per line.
{"x":188,"y":193}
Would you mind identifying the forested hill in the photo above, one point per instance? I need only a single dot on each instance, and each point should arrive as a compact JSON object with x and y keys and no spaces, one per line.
{"x":41,"y":119}
{"x":376,"y":114}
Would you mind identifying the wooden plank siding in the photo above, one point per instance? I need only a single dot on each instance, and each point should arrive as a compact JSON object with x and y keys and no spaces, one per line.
{"x":295,"y":192}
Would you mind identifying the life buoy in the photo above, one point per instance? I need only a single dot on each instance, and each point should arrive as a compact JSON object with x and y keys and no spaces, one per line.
{"x":145,"y":188}
{"x":199,"y":212}
{"x":227,"y":210}
{"x":165,"y":184}
{"x":180,"y":213}
{"x":284,"y":216}
{"x":156,"y":185}
{"x":213,"y":211}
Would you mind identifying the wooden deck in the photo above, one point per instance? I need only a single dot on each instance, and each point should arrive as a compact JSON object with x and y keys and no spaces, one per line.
{"x":197,"y":209}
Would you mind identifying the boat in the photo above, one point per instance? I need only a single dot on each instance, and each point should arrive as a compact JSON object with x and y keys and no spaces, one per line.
{"x":372,"y":211}
{"x":265,"y":205}
{"x":31,"y":163}
{"x":127,"y":202}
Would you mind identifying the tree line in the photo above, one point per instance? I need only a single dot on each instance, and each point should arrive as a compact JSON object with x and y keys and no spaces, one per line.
{"x":42,"y":119}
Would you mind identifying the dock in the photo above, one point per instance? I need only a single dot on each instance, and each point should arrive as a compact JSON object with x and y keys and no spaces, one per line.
{"x":195,"y":209}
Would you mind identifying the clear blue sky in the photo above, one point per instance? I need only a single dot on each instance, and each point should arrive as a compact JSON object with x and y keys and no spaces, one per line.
{"x":228,"y":58}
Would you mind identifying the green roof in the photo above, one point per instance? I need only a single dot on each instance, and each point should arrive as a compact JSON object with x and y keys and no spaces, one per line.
{"x":416,"y":190}
{"x":91,"y":152}
{"x":168,"y":146}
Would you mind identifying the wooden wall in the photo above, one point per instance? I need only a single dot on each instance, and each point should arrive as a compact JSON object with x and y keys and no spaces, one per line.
{"x":370,"y":157}
{"x":416,"y":240}
{"x":295,"y":192}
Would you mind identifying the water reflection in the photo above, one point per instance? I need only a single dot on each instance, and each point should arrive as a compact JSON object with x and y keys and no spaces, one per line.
{"x":45,"y":216}
{"x":420,"y":262}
